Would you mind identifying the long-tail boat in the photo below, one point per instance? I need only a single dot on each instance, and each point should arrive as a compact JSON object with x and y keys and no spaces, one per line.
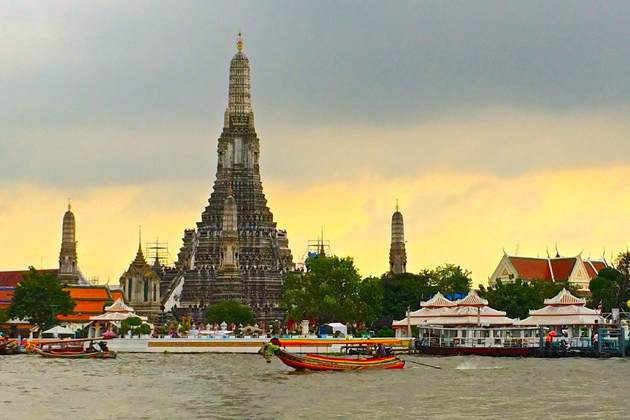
{"x":72,"y":349}
{"x":8,"y":346}
{"x":318,"y":362}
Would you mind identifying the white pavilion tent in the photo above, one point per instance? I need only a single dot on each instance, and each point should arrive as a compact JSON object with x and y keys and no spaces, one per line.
{"x":58,"y":331}
{"x":114,"y":314}
{"x":440,"y":311}
{"x":563,"y":310}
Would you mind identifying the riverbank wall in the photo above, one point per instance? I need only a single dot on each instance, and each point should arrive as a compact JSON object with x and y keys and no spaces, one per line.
{"x":246,"y":345}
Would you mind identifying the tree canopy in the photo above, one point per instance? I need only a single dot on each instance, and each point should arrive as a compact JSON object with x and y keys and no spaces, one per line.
{"x":332,"y":289}
{"x":230,"y":311}
{"x":329,"y":290}
{"x":370,"y":300}
{"x":36,"y":296}
{"x":401,"y":291}
{"x":611,"y":286}
{"x":517,"y":298}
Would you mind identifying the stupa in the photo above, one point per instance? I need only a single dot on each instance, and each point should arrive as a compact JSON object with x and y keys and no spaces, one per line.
{"x":397,"y":252}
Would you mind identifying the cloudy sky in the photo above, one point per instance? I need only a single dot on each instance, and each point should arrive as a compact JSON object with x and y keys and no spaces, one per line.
{"x":493,"y":123}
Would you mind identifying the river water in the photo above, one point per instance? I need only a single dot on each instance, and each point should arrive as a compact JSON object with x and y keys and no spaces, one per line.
{"x":230,"y":386}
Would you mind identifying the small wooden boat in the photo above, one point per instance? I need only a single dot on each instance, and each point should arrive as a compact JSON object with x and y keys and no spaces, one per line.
{"x":318,"y":362}
{"x":8,"y":347}
{"x":72,"y":349}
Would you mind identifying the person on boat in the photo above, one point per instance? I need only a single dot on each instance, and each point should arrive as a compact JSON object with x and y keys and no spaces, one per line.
{"x":381,"y":351}
{"x":103,"y":346}
{"x":91,"y":348}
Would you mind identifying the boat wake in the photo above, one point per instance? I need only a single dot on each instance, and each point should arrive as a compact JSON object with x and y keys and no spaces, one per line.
{"x":471,"y":365}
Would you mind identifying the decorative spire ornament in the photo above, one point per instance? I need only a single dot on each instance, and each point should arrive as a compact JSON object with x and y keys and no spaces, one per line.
{"x":239,"y":42}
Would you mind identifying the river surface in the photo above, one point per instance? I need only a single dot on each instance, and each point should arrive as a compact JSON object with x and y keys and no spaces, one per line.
{"x":230,"y":386}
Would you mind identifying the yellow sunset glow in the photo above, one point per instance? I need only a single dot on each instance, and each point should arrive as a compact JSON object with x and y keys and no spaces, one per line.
{"x":449,"y":218}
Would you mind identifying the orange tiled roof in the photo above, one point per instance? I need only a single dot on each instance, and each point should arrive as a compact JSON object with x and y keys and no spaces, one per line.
{"x":89,"y":306}
{"x":116,"y":294}
{"x":531,"y":268}
{"x":88,"y":292}
{"x":12,"y":278}
{"x":90,"y":301}
{"x":562,"y":267}
{"x":598,"y":265}
{"x":590,"y":270}
{"x":81,"y":319}
{"x":6,"y":293}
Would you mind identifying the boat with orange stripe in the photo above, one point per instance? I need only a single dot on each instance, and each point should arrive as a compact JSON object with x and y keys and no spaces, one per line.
{"x":317,"y":362}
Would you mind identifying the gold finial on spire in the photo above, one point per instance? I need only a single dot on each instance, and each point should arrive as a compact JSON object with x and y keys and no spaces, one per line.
{"x":239,"y":42}
{"x":69,"y":205}
{"x":396,"y":204}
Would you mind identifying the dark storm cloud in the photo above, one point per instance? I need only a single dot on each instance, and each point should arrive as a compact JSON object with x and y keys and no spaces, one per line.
{"x":119,"y":92}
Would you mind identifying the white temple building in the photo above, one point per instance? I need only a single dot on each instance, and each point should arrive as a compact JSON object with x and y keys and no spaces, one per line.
{"x":440,"y":311}
{"x":563,"y":310}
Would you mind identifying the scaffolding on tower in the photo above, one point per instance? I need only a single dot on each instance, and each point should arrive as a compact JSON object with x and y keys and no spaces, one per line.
{"x":157,"y":252}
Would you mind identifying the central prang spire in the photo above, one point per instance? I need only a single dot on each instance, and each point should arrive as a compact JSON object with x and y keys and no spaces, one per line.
{"x":236,"y":252}
{"x":239,"y":98}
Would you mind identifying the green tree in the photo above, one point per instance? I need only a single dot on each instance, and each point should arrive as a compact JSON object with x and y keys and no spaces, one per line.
{"x":517,"y":298}
{"x":143,"y":329}
{"x":451,"y":279}
{"x":385,"y":331}
{"x":611,"y":285}
{"x":36,"y":296}
{"x":401,"y":291}
{"x":329,"y":290}
{"x":370,"y":304}
{"x":230,"y":311}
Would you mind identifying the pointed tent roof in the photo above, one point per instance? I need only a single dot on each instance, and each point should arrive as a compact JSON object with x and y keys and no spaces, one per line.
{"x":562,"y":309}
{"x":119,"y":306}
{"x":438,"y":301}
{"x":458,"y":315}
{"x":565,"y":298}
{"x":472,"y":299}
{"x":58,"y":329}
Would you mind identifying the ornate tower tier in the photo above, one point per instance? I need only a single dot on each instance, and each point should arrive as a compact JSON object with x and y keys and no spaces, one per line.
{"x":260,"y":250}
{"x":68,"y":269}
{"x":397,"y":253}
{"x":141,"y":285}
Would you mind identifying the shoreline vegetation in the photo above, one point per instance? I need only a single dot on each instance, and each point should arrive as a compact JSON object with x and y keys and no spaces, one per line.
{"x":331,"y":290}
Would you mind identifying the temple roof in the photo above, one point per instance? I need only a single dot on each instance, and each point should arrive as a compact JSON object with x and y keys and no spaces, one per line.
{"x":139,"y":261}
{"x":461,"y":315}
{"x":472,"y":299}
{"x":562,"y":309}
{"x":471,"y":310}
{"x":12,"y":278}
{"x":438,"y":301}
{"x":594,"y":266}
{"x":565,"y":298}
{"x":119,"y":306}
{"x":117,"y":294}
{"x":556,"y":269}
{"x":90,"y":300}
